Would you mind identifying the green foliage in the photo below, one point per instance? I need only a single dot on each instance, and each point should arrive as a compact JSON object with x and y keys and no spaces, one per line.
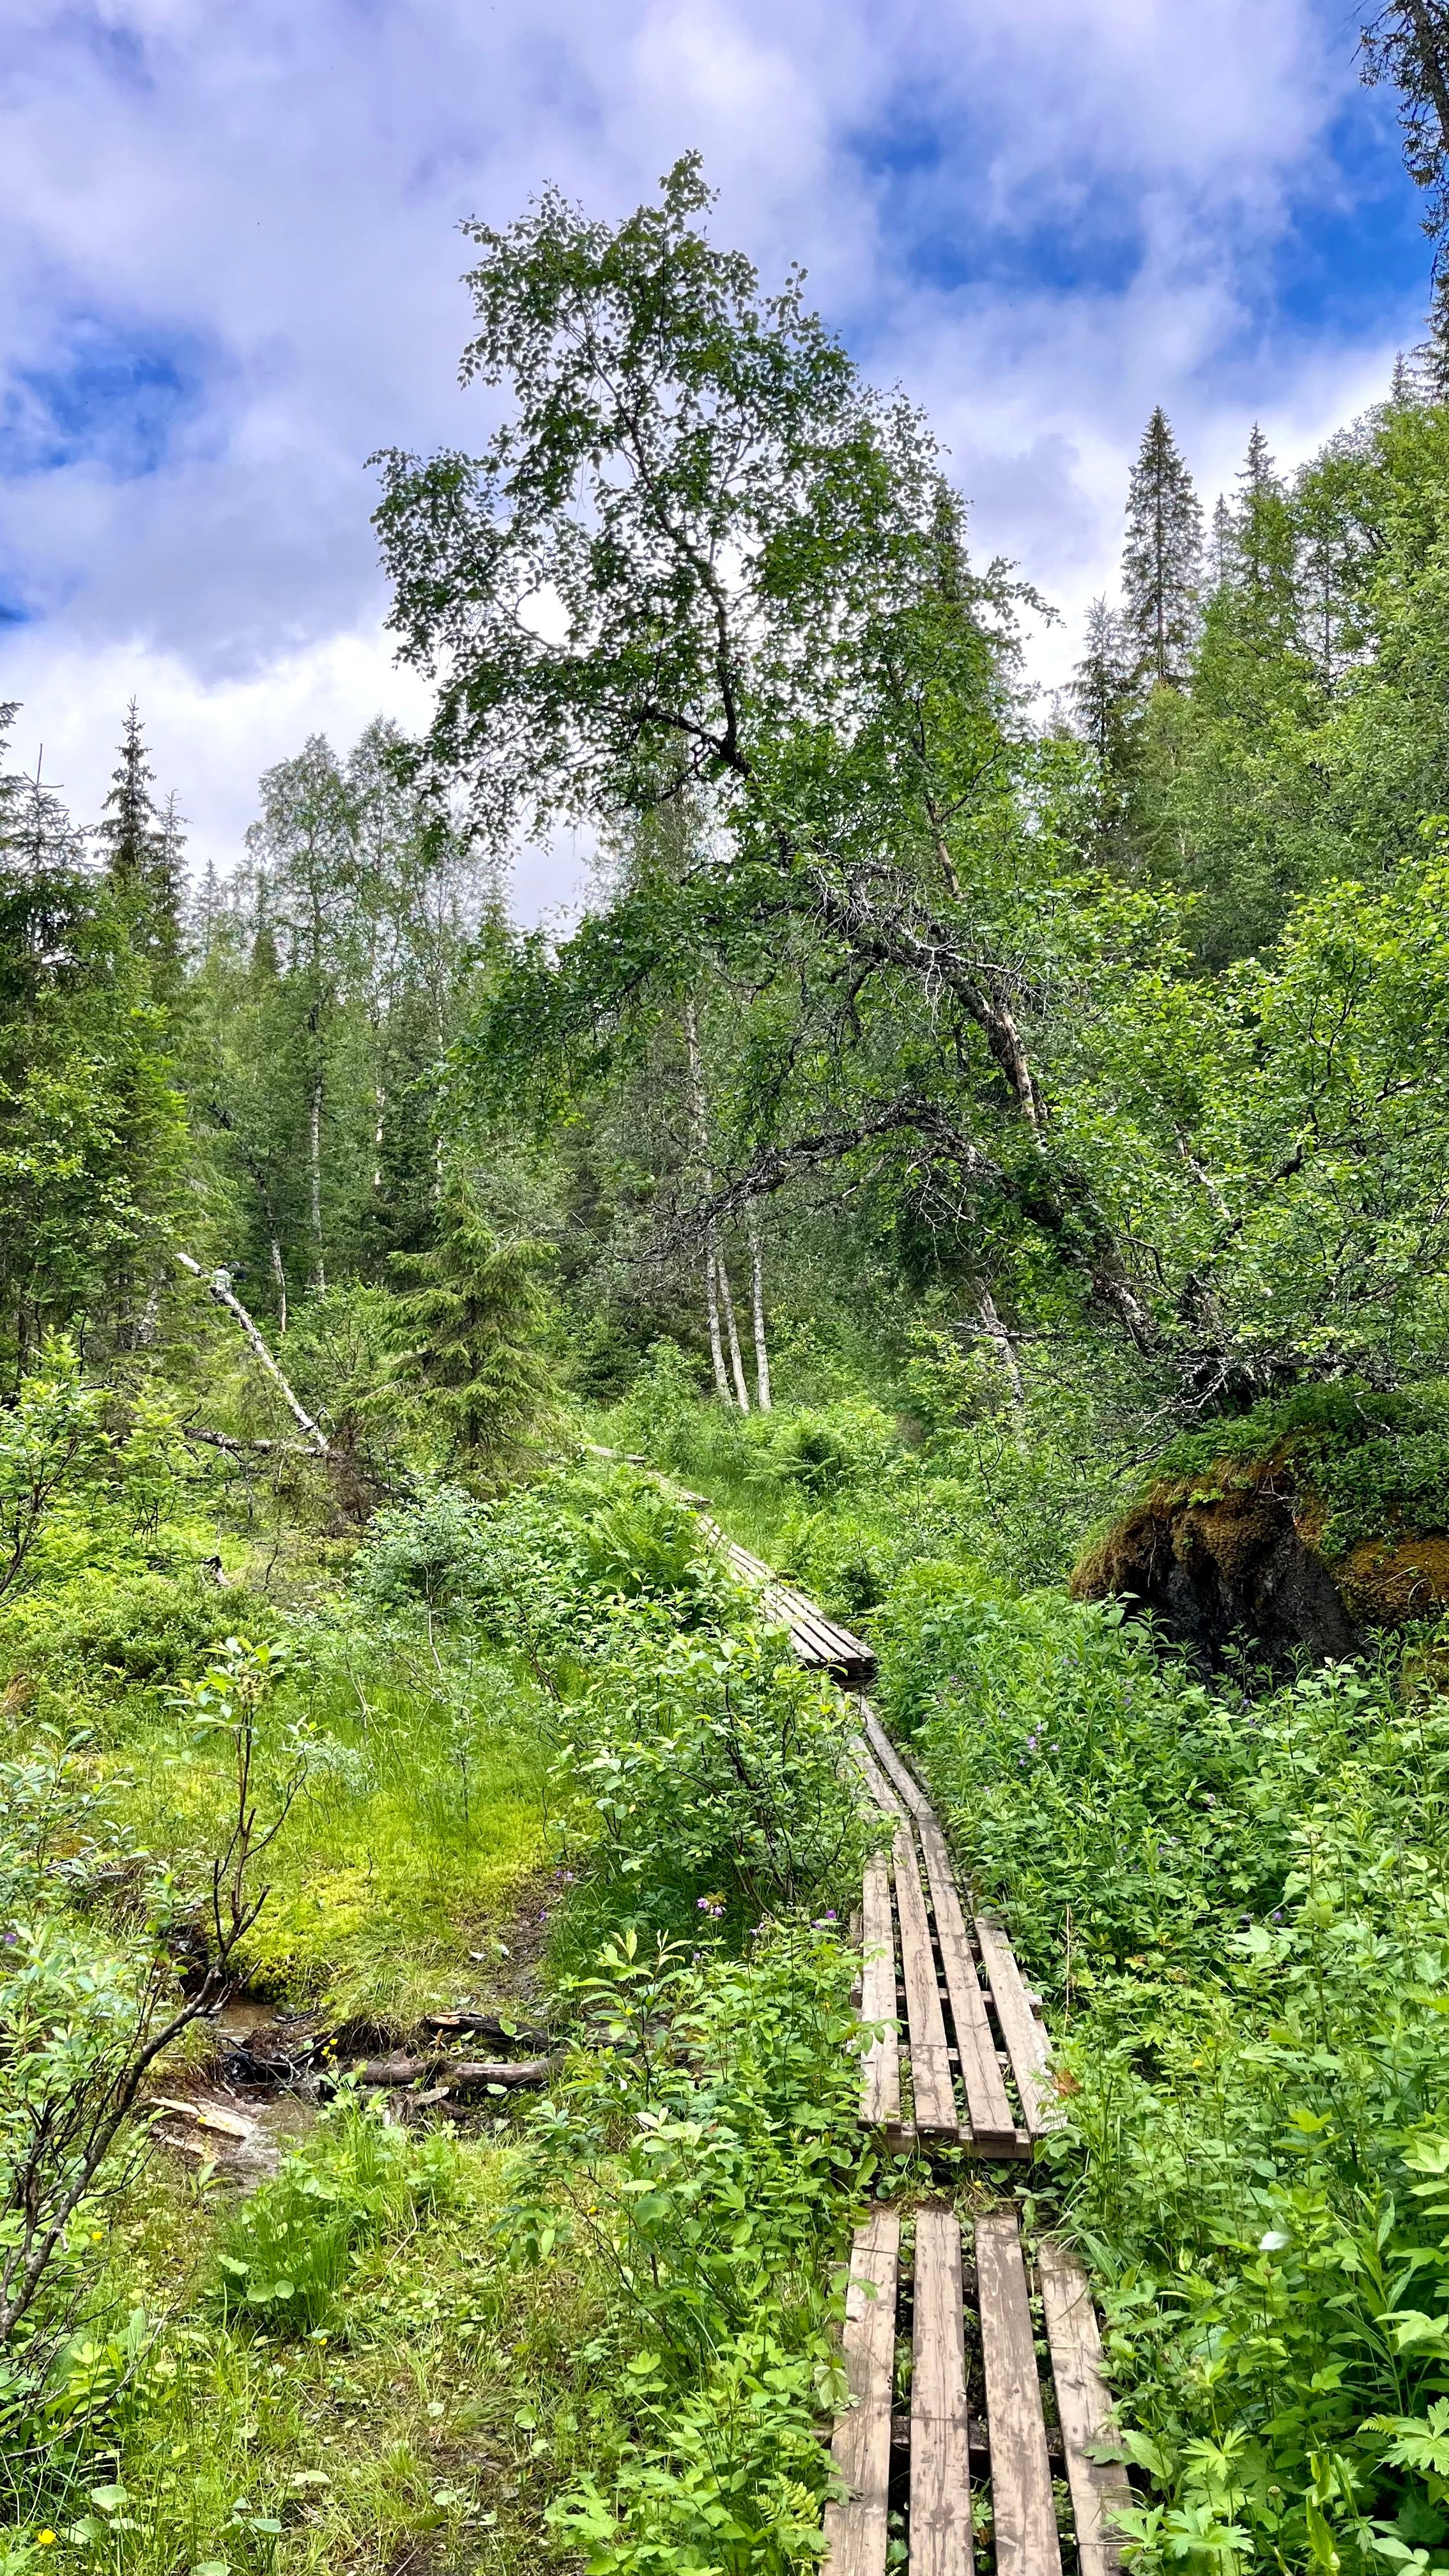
{"x":704,"y":2149}
{"x":714,"y":1763}
{"x":475,"y":1322}
{"x":46,"y":1438}
{"x":1379,"y":1463}
{"x":1238,"y":1907}
{"x":642,"y":1545}
{"x":427,"y":1550}
{"x":289,"y":2252}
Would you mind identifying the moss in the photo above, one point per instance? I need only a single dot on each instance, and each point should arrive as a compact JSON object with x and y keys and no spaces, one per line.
{"x":1342,"y":1479}
{"x":1366,"y":1465}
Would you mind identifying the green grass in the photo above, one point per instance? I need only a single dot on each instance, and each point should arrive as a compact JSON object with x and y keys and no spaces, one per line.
{"x":419,"y":1822}
{"x":425,"y":2429}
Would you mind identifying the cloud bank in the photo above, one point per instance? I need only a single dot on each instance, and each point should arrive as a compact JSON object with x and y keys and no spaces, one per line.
{"x":230,"y":270}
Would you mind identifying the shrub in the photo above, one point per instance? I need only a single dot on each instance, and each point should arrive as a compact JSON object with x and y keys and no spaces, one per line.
{"x":704,"y":2151}
{"x":717,"y":1764}
{"x":428,"y":1550}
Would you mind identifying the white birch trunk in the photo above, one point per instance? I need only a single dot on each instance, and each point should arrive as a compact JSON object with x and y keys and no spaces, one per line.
{"x":727,"y":1302}
{"x":716,"y":1278}
{"x":219,"y":1283}
{"x":1005,"y":1347}
{"x":716,"y":1347}
{"x":757,"y":1312}
{"x":279,"y":1273}
{"x":314,"y":1146}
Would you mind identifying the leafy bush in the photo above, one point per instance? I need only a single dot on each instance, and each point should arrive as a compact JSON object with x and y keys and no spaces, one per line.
{"x":717,"y":1764}
{"x":286,"y":2255}
{"x":105,"y":1625}
{"x":427,"y":1550}
{"x":47,"y":1438}
{"x":704,"y":2152}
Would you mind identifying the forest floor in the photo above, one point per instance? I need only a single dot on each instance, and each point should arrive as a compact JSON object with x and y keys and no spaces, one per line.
{"x":551,"y":1768}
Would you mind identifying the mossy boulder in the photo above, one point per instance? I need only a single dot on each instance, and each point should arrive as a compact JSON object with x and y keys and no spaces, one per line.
{"x":1293,"y":1528}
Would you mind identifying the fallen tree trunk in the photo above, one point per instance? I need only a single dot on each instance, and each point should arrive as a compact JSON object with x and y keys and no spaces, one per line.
{"x":245,"y":1448}
{"x":219,"y":1285}
{"x":487,"y":2025}
{"x":461,"y":2074}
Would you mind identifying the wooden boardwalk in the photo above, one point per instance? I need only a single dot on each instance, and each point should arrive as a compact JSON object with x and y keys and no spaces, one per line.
{"x":986,"y":2423}
{"x":958,"y":2055}
{"x":975,"y":2053}
{"x":815,"y":1640}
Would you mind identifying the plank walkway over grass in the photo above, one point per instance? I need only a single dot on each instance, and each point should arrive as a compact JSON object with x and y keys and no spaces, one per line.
{"x":985,"y":2417}
{"x":815,"y":1640}
{"x":950,"y":1981}
{"x":976,"y":2063}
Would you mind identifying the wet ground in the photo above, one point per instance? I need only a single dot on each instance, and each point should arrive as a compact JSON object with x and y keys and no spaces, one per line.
{"x":257,"y":2099}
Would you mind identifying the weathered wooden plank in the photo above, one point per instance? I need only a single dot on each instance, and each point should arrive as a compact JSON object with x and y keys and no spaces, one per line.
{"x":1099,"y":2487}
{"x":855,"y":2531}
{"x":940,"y":2458}
{"x":901,"y":1778}
{"x":816,"y":1639}
{"x":931,"y":2085}
{"x":1022,"y":2511}
{"x":989,"y":2113}
{"x":1027,"y":2044}
{"x":880,"y":2066}
{"x":876,"y":1782}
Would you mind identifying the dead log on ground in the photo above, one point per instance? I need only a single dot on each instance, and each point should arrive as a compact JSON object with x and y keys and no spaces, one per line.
{"x":461,"y":2074}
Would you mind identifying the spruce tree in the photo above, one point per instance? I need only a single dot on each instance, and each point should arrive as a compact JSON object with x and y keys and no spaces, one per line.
{"x":476,"y":1317}
{"x":1162,"y":559}
{"x":1103,"y":691}
{"x":143,"y":854}
{"x":1222,"y":545}
{"x":1407,"y":46}
{"x":130,"y":828}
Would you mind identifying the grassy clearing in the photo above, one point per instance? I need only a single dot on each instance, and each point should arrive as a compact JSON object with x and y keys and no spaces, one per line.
{"x":420,"y":1817}
{"x":594,"y":2330}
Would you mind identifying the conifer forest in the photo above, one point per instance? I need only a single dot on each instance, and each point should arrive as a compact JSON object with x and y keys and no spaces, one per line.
{"x":981,"y":1156}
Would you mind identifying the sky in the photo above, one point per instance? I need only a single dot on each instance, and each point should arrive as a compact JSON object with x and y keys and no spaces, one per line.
{"x":230,"y":270}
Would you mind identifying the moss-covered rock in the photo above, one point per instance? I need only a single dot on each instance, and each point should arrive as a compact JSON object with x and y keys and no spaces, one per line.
{"x":1295,"y":1527}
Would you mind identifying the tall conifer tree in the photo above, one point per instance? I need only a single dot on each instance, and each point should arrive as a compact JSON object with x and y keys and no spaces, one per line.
{"x":130,"y":827}
{"x":1162,"y":559}
{"x":1407,"y":45}
{"x":143,"y":853}
{"x":1103,"y":691}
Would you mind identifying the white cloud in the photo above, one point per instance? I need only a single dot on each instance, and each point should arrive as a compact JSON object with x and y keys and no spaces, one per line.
{"x":1043,"y":215}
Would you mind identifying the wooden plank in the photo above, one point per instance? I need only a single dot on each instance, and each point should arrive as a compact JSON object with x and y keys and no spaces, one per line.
{"x":890,"y":1762}
{"x":1027,"y":2044}
{"x":940,"y":2457}
{"x":1099,"y":2487}
{"x":855,"y":2531}
{"x":931,"y":2085}
{"x":992,"y":2121}
{"x":989,"y":2113}
{"x":880,"y":2067}
{"x":875,"y":1781}
{"x":1022,"y":2511}
{"x":803,"y":1614}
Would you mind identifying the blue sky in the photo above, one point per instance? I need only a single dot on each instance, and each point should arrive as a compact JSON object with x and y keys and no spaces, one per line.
{"x":229,"y":269}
